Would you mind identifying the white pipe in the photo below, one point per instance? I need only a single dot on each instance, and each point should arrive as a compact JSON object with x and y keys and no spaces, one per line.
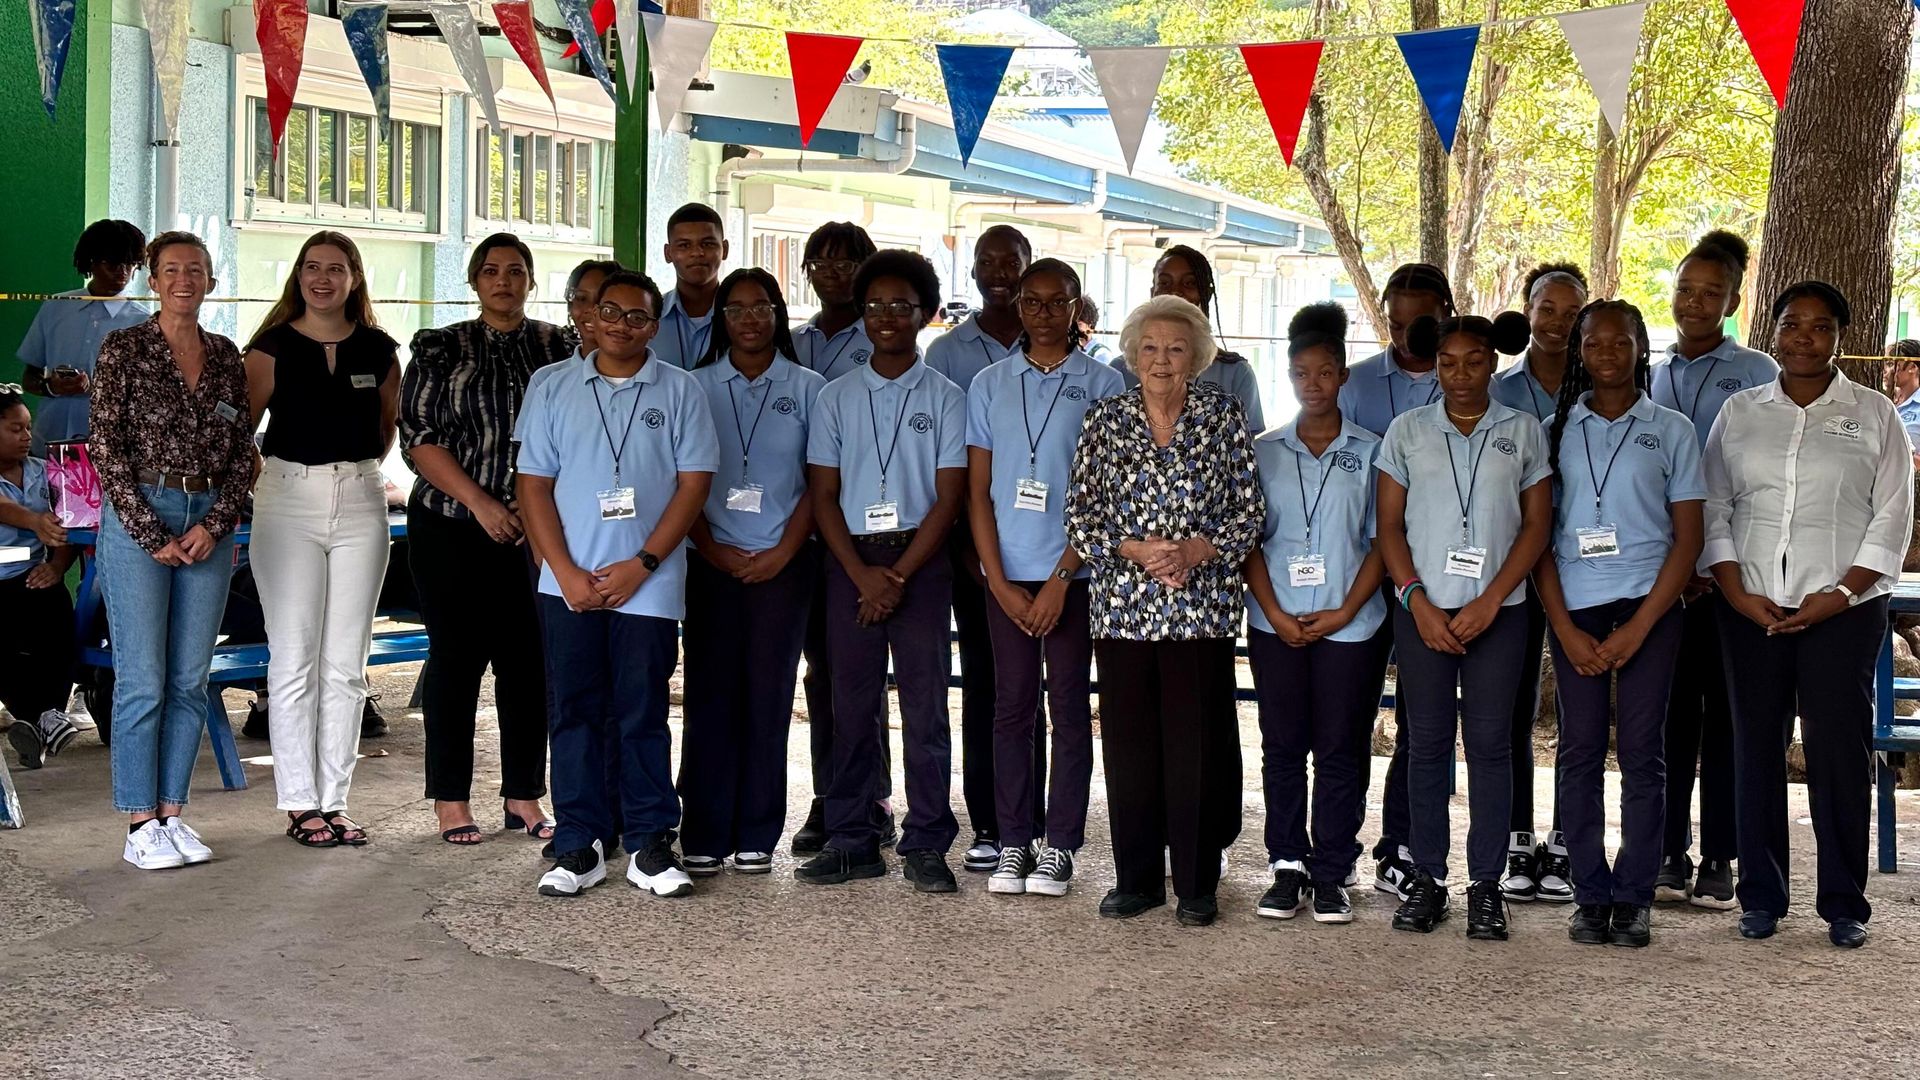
{"x":166,"y":170}
{"x":728,"y":171}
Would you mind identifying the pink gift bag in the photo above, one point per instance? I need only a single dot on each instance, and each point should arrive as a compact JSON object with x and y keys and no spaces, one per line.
{"x":74,"y":485}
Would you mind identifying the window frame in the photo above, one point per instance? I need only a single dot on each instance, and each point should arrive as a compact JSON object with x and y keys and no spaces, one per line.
{"x":526,"y":153}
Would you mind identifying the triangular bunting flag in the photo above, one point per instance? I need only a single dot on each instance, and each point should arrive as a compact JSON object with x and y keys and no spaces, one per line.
{"x":1772,"y":30}
{"x":463,"y":38}
{"x":1439,"y":61}
{"x":627,"y":32}
{"x":603,"y":17}
{"x":280,"y":26}
{"x":677,"y":49}
{"x":972,"y":74}
{"x":366,"y":27}
{"x":1283,"y":76}
{"x":167,"y":38}
{"x":516,"y":25}
{"x":1130,"y":80}
{"x":52,"y":33}
{"x":581,"y":25}
{"x":819,"y":64}
{"x":1604,"y":41}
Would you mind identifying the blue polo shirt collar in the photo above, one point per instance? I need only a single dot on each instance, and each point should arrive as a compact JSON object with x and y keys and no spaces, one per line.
{"x":1074,"y":365}
{"x":1436,"y":415}
{"x":780,"y":370}
{"x":649,"y":372}
{"x":908,"y":380}
{"x":1289,"y":435}
{"x":1643,"y":410}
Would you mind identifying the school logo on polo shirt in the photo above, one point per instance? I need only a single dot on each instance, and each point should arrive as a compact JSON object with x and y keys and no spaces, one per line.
{"x":1076,"y":393}
{"x":1347,"y":460}
{"x":860,"y":356}
{"x":1505,"y":446}
{"x":1649,"y":440}
{"x":1729,"y":385}
{"x":785,"y":405}
{"x":653,"y":418}
{"x":921,"y":423}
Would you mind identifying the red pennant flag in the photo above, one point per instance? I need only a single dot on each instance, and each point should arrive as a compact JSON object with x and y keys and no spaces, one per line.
{"x":819,"y":63}
{"x":1283,"y":76}
{"x":602,"y":18}
{"x":1772,"y":30}
{"x":516,"y":25}
{"x":280,"y":26}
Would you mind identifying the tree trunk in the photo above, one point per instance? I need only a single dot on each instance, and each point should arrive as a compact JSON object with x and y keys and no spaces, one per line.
{"x":1473,"y":153}
{"x":1433,"y":164}
{"x":1836,"y":169}
{"x":1312,"y":163}
{"x":1603,"y":258}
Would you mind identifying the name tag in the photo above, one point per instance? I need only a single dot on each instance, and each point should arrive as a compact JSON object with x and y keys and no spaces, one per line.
{"x":364,"y":382}
{"x":1843,"y":427}
{"x":226,"y":412}
{"x":883,"y":517}
{"x":1598,"y":542}
{"x":1304,"y":570}
{"x":1467,"y":562}
{"x":1030,"y":494}
{"x":745,"y":499}
{"x":616,"y":504}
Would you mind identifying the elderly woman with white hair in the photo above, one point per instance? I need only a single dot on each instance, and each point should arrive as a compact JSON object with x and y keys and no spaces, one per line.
{"x":1165,"y":504}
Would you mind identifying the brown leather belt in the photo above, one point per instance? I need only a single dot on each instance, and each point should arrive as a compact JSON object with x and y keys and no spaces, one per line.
{"x":192,"y":485}
{"x":900,"y":539}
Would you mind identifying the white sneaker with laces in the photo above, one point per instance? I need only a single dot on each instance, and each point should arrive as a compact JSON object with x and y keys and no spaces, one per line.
{"x":575,"y":872}
{"x":984,"y":855}
{"x":1054,"y":874}
{"x":1010,"y":875}
{"x":149,"y":848}
{"x":186,"y":842}
{"x":57,"y":730}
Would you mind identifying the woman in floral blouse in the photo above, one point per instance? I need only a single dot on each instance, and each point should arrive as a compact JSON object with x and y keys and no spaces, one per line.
{"x":171,"y":440}
{"x":1165,"y":504}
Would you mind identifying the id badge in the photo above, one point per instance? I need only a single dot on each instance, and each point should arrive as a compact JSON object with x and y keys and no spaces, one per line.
{"x":883,"y":517}
{"x":1467,"y":562}
{"x":364,"y":382}
{"x":616,"y":504}
{"x":1030,"y":494}
{"x":1304,"y":570}
{"x":1598,"y":542}
{"x":745,"y":499}
{"x":226,"y":412}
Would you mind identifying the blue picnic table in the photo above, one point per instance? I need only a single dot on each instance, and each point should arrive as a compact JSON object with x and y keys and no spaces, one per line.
{"x":1893,"y":734}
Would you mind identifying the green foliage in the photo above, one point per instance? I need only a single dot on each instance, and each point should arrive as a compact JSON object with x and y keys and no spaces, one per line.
{"x":909,"y":68}
{"x":1103,"y":23}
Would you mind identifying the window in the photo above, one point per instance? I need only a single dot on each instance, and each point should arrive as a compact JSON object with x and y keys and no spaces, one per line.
{"x":333,"y":166}
{"x":780,"y":256}
{"x":540,"y":183}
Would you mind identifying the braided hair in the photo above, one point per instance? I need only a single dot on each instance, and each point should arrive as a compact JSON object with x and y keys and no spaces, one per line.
{"x":1578,"y":381}
{"x":1203,"y":280}
{"x":1076,"y":337}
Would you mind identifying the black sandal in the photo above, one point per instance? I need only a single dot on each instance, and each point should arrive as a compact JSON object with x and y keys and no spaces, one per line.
{"x":539,"y":830}
{"x":451,"y":835}
{"x":315,"y":838}
{"x":349,"y":834}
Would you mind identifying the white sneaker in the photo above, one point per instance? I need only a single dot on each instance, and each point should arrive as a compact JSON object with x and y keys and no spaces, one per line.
{"x":658,"y":871}
{"x":1010,"y":876}
{"x":575,"y":872}
{"x":81,"y":716}
{"x":983,"y":856}
{"x":753,"y":862}
{"x":187,"y":842}
{"x":57,"y":730}
{"x":149,"y":848}
{"x":702,"y":865}
{"x":1054,"y":874}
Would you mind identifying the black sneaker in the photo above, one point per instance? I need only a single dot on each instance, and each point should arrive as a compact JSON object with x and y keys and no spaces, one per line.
{"x":1673,"y":885}
{"x":656,"y":869}
{"x":1521,"y":881}
{"x":1285,"y":898}
{"x":1553,"y":871}
{"x":1010,"y":877}
{"x":1714,"y":887}
{"x":1198,"y":911}
{"x":1393,"y":874}
{"x":1053,"y":874}
{"x":255,"y":726}
{"x":27,"y":742}
{"x":1330,"y":903}
{"x":811,"y":837}
{"x":983,"y":854}
{"x":1632,"y":925}
{"x":834,"y":866}
{"x":1486,"y":912}
{"x":372,"y":724}
{"x":1425,"y":907}
{"x":1590,"y":925}
{"x":928,"y":871}
{"x":1125,"y":905}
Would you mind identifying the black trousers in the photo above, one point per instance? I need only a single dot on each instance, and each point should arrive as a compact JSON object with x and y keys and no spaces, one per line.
{"x":1394,"y":805}
{"x":818,"y":685}
{"x":1062,"y":662}
{"x":36,"y":648}
{"x":1526,"y":707}
{"x":1700,"y":735}
{"x":978,"y":689}
{"x":1164,"y":709}
{"x":1825,"y":673}
{"x":479,"y":611}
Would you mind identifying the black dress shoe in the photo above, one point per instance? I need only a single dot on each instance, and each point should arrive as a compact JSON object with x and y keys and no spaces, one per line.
{"x":1125,"y":905}
{"x":1589,"y":925}
{"x":255,"y":726}
{"x":928,"y":871}
{"x":811,"y":837}
{"x":1197,"y":911}
{"x":372,"y":724}
{"x":1632,"y":925}
{"x":1847,"y":933}
{"x":836,"y":867}
{"x":1758,"y":925}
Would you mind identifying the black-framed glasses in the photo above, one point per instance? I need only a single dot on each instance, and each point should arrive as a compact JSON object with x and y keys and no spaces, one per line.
{"x":638,"y":318}
{"x":1059,"y":305}
{"x":898,"y":309}
{"x":737,"y":312}
{"x":842,"y":267}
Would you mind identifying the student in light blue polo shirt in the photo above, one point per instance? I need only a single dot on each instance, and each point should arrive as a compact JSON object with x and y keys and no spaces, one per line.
{"x":749,"y":589}
{"x":1314,"y":610}
{"x":36,"y":636}
{"x":1183,"y":272}
{"x":64,"y":339}
{"x":1553,"y":295}
{"x":616,"y":457}
{"x":887,"y":457}
{"x":696,"y":247}
{"x":1464,"y":515}
{"x":1024,"y":418}
{"x":834,"y":341}
{"x":1904,"y":388}
{"x":1396,"y":379}
{"x":1627,"y":530}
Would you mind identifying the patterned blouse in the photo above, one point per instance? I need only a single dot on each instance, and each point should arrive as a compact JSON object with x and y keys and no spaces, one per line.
{"x":462,"y":392}
{"x":144,"y":417}
{"x":1204,"y":483}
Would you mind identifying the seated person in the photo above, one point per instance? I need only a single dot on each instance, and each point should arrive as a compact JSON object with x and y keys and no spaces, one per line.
{"x":36,"y":637}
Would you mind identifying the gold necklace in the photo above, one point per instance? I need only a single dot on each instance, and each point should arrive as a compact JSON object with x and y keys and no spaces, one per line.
{"x":1465,"y":419}
{"x":1047,"y":369}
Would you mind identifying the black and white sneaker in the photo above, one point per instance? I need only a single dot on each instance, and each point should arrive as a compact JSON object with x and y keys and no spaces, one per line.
{"x":1520,"y":884}
{"x":753,"y":862}
{"x":837,"y":866}
{"x":1426,"y":904}
{"x":1053,"y":876}
{"x":56,"y":731}
{"x":575,"y":872}
{"x":1486,"y":911}
{"x":1330,"y":903}
{"x":1714,"y":887}
{"x":984,"y":855}
{"x":656,"y":869}
{"x":1675,"y":882}
{"x":1394,"y":873}
{"x":1284,"y":899}
{"x":702,"y":865}
{"x":1553,"y":870}
{"x":1010,"y":876}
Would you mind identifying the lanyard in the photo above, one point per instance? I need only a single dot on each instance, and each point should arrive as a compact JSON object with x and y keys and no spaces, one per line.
{"x":1033,"y":441}
{"x":746,"y":436}
{"x":622,"y":448}
{"x":1533,"y":400}
{"x":1473,"y":477}
{"x":1673,"y":387}
{"x":898,"y":423}
{"x":1321,"y":494}
{"x":1600,"y":483}
{"x":1393,"y":407}
{"x":841,"y":351}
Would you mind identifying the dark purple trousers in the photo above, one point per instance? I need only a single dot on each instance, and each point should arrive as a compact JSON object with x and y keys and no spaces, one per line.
{"x":818,"y":685}
{"x":1018,"y":659}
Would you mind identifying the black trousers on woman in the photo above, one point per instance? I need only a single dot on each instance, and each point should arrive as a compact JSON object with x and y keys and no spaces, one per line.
{"x":478,"y":608}
{"x":1165,"y":710}
{"x":36,"y":648}
{"x":1825,"y":673}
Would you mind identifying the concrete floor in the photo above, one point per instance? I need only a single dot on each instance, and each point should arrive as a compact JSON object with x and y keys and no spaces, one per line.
{"x":414,"y":959}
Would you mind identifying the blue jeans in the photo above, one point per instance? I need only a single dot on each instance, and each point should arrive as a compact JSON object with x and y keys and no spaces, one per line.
{"x":164,"y":620}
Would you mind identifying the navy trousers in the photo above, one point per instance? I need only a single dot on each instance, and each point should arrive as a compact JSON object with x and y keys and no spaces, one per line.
{"x":1394,"y":801}
{"x":1700,"y":733}
{"x":1526,"y":707}
{"x":818,"y":685}
{"x":1019,"y":732}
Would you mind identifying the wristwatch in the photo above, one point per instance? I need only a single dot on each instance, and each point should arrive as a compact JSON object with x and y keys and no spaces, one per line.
{"x":1852,"y":597}
{"x":649,"y":560}
{"x":1063,"y":574}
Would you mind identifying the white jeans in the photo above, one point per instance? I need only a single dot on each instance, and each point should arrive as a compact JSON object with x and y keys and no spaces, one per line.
{"x":319,"y":555}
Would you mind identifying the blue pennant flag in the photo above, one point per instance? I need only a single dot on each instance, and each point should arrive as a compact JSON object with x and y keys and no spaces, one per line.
{"x":1439,"y":61}
{"x":579,"y":18}
{"x":972,"y":74}
{"x":366,"y":27}
{"x":52,"y":33}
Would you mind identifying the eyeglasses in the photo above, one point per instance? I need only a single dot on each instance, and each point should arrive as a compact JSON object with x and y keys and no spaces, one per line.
{"x":1059,"y":305}
{"x":737,"y":312}
{"x":638,"y":318}
{"x":579,"y":296}
{"x":842,"y":267}
{"x":898,"y":309}
{"x":12,"y":388}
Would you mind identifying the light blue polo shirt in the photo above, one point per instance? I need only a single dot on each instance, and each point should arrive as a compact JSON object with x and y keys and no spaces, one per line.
{"x":832,"y":356}
{"x":541,"y":375}
{"x":32,"y":494}
{"x":1641,"y":462}
{"x":916,"y":423}
{"x":1237,"y":378}
{"x":1016,"y":412}
{"x":1515,"y":387}
{"x":1909,"y":413}
{"x":965,"y":351}
{"x":1379,"y":391}
{"x":762,"y":426}
{"x":68,"y":333}
{"x":1698,"y":388}
{"x":1436,"y":464}
{"x":682,"y":339}
{"x":660,"y":421}
{"x":1337,"y":490}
